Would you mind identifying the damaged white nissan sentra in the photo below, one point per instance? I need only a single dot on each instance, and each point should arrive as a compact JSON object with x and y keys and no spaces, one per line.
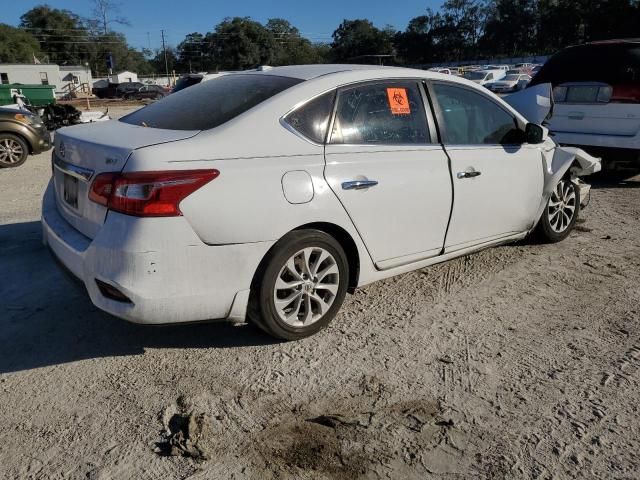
{"x":267,"y":196}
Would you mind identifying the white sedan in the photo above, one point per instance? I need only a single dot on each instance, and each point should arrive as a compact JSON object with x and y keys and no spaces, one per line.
{"x":511,"y":83}
{"x":267,"y":196}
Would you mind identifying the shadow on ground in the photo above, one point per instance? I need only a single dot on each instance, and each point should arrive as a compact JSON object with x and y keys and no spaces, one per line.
{"x":46,"y":319}
{"x":622,"y":179}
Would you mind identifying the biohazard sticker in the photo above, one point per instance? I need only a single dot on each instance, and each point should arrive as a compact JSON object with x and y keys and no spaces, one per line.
{"x":398,"y":101}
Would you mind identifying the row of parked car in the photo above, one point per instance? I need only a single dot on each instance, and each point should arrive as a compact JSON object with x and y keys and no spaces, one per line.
{"x":497,"y":78}
{"x":131,"y":91}
{"x":595,"y":97}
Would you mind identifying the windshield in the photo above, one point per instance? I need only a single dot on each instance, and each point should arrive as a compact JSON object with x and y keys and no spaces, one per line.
{"x":475,"y":75}
{"x":211,"y":103}
{"x":511,"y":78}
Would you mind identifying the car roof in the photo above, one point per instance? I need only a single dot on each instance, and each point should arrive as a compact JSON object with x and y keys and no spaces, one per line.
{"x":308,"y":72}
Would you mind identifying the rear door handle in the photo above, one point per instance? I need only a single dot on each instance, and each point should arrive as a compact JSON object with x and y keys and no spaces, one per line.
{"x":359,"y":184}
{"x":471,"y":174}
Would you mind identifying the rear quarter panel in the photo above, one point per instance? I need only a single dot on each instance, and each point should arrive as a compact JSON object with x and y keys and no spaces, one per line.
{"x":253,"y":152}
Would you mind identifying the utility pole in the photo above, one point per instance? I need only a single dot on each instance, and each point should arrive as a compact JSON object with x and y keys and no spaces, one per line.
{"x":166,"y":63}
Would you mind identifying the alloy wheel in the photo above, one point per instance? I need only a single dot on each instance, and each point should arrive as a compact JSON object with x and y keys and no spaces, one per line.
{"x":10,"y":151}
{"x":306,"y":287}
{"x":562,"y":206}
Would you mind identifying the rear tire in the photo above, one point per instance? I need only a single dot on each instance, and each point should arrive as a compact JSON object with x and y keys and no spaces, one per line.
{"x":14,"y":150}
{"x":301,"y":285}
{"x":560,"y":214}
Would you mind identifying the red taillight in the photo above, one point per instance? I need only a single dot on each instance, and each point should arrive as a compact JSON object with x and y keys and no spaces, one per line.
{"x":148,"y":194}
{"x":625,"y":94}
{"x":101,"y":188}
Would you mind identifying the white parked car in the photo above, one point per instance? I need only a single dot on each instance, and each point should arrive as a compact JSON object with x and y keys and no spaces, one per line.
{"x":597,"y":98}
{"x":482,"y":77}
{"x":268,"y":195}
{"x":446,"y":71}
{"x":510,"y":83}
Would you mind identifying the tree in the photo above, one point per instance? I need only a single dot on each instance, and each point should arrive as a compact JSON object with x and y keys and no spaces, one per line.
{"x":124,"y":57}
{"x":191,"y":54}
{"x":357,"y":38}
{"x":240,"y":43}
{"x":416,"y":44}
{"x":158,"y":64}
{"x":67,"y":40}
{"x":511,"y":27}
{"x":62,"y":36}
{"x":104,"y":15}
{"x":291,"y":48}
{"x":17,"y":46}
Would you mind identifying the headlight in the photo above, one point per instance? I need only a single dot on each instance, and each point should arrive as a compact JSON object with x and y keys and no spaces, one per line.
{"x":28,"y":119}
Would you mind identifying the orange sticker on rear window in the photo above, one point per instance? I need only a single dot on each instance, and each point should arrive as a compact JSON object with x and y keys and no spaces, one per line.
{"x":398,"y":101}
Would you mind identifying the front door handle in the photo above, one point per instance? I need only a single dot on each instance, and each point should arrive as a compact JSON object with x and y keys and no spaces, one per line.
{"x":359,"y":184}
{"x":471,"y":174}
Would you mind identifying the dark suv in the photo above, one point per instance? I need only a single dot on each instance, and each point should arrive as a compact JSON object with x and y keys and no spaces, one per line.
{"x":128,"y":87}
{"x":155,"y":92}
{"x":21,"y":133}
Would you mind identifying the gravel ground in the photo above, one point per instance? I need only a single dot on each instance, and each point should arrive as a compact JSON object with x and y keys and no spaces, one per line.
{"x":518,"y":362}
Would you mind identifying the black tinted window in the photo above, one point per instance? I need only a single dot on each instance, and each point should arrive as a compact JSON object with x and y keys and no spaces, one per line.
{"x":312,"y":119}
{"x":472,"y":119}
{"x":210,"y":103}
{"x":188,"y":81}
{"x":381,"y":113}
{"x":613,"y":63}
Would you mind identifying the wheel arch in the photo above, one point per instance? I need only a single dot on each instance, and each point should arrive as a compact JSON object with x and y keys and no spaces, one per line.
{"x":346,"y":242}
{"x":342,"y":237}
{"x":20,"y":135}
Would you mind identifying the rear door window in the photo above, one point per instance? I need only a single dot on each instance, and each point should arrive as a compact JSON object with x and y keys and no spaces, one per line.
{"x":384,"y":113}
{"x":210,"y":104}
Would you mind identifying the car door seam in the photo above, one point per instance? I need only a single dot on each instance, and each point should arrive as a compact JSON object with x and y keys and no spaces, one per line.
{"x":437,"y":118}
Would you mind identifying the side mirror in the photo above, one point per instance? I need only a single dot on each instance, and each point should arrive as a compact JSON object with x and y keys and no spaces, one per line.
{"x":535,"y":134}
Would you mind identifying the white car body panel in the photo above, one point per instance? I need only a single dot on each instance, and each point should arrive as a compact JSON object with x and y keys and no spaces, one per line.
{"x":93,"y":116}
{"x":534,"y":103}
{"x":495,"y":76}
{"x":404,"y":217}
{"x":167,"y":271}
{"x":486,"y":207}
{"x":614,"y":125}
{"x":200,"y":265}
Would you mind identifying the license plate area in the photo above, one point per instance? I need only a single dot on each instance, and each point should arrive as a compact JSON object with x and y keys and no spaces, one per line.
{"x":70,"y":191}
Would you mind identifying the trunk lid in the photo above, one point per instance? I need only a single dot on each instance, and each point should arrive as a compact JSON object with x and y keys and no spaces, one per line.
{"x":84,"y":151}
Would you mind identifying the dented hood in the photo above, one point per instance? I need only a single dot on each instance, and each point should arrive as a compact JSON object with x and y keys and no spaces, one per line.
{"x":534,"y":103}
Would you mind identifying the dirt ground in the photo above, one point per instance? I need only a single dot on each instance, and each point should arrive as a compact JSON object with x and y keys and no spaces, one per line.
{"x":518,"y":362}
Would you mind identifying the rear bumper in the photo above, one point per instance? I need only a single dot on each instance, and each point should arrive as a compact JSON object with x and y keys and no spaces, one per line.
{"x":160,"y":264}
{"x":599,"y":140}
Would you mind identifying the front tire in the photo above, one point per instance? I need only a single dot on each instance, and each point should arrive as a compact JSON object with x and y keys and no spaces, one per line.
{"x":13,"y":150}
{"x":301,"y":287}
{"x":560,"y":214}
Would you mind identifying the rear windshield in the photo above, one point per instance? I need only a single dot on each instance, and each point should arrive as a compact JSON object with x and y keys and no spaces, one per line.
{"x":613,"y":63}
{"x":211,"y":103}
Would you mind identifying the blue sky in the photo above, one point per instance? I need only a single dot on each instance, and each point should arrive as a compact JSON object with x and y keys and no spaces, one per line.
{"x":316,"y":20}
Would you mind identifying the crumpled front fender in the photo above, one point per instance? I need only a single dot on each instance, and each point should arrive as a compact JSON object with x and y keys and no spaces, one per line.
{"x":560,"y":160}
